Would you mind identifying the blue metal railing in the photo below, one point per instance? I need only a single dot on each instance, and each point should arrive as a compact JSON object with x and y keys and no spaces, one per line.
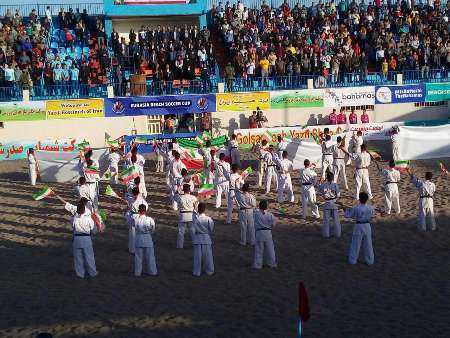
{"x":95,"y":7}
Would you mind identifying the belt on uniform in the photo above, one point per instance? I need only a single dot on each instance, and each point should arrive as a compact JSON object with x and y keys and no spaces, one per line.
{"x":91,"y":182}
{"x":306,"y":183}
{"x":82,"y":235}
{"x":186,"y":211}
{"x":426,"y":196}
{"x":326,"y":154}
{"x":363,"y":222}
{"x":245,"y":208}
{"x":271,"y":165}
{"x":330,"y":198}
{"x":234,"y":147}
{"x":339,"y":158}
{"x":362,"y":168}
{"x":391,"y":182}
{"x":264,"y":229}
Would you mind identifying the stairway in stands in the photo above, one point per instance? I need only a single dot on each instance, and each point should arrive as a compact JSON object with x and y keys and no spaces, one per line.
{"x":220,"y":51}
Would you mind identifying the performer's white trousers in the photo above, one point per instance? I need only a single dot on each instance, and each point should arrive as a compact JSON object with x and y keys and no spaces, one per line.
{"x":362,"y":236}
{"x":231,"y":203}
{"x":131,"y":239}
{"x":261,"y":171}
{"x":362,"y":182}
{"x":33,"y":174}
{"x":159,"y":164}
{"x":426,"y":214}
{"x":327,"y":164}
{"x":264,"y":250}
{"x":114,"y":170}
{"x":285,"y":183}
{"x":271,"y":174}
{"x":221,"y":188}
{"x":235,"y":156}
{"x":203,"y":257}
{"x":84,"y":260}
{"x":181,"y":230}
{"x":339,"y":169}
{"x":309,"y":200}
{"x":331,"y":215}
{"x":145,"y":256}
{"x":247,"y":224}
{"x":391,"y":198}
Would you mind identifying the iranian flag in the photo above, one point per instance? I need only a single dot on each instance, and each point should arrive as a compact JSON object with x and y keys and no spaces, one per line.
{"x":113,"y":143}
{"x":206,"y":190}
{"x":191,"y":158}
{"x":402,"y":166}
{"x":99,"y":220}
{"x":110,"y":192}
{"x":198,"y":179}
{"x":128,"y":174}
{"x":44,"y":192}
{"x":246,"y":173}
{"x":140,"y":140}
{"x":92,"y":170}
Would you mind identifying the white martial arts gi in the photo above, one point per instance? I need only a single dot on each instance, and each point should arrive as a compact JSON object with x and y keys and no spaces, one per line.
{"x":176,"y":167}
{"x":144,"y":250}
{"x":362,"y":162}
{"x":327,"y":157}
{"x":92,"y":182}
{"x":426,"y":191}
{"x":208,"y":165}
{"x":284,"y":181}
{"x":362,"y":233}
{"x":159,"y":159}
{"x":357,"y":145}
{"x":142,"y":188}
{"x":246,"y":203}
{"x":222,"y":181}
{"x":330,"y":193}
{"x":113,"y":161}
{"x":187,"y":204}
{"x":339,"y":165}
{"x":308,"y":193}
{"x":395,"y":152}
{"x":236,"y":183}
{"x":281,"y":146}
{"x":391,"y":177}
{"x":133,"y":209}
{"x":85,"y":192}
{"x":32,"y":169}
{"x":264,"y":248}
{"x":169,"y":161}
{"x":234,"y":152}
{"x":201,"y":230}
{"x":83,"y":252}
{"x":261,"y":151}
{"x":270,"y":160}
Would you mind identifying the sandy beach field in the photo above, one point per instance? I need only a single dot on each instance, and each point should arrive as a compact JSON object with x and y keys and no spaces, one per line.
{"x":405,"y":294}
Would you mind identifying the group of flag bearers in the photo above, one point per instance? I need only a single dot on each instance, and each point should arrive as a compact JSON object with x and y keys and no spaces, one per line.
{"x":223,"y":178}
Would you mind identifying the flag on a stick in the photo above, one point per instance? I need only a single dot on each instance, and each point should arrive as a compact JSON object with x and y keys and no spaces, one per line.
{"x":247,"y":172}
{"x":110,"y":192}
{"x":402,"y":166}
{"x":99,"y":220}
{"x":140,"y":140}
{"x":44,"y":192}
{"x":198,"y":179}
{"x":83,"y":145}
{"x":206,"y":190}
{"x":128,"y":174}
{"x":92,"y":170}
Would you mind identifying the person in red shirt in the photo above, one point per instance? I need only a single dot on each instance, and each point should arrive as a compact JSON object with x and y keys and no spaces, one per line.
{"x":353,"y":118}
{"x":364,"y":117}
{"x":332,"y":118}
{"x":342,"y":118}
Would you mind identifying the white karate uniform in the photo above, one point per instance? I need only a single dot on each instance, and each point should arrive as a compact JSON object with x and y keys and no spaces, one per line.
{"x":339,"y":165}
{"x":246,"y":203}
{"x":140,"y":163}
{"x":222,"y":181}
{"x":236,"y":183}
{"x":32,"y":169}
{"x":234,"y":153}
{"x":270,"y":160}
{"x":92,"y":182}
{"x":83,"y":252}
{"x":207,"y":160}
{"x":330,"y":192}
{"x":362,"y":233}
{"x":391,"y":177}
{"x":281,"y":146}
{"x":264,"y":247}
{"x":187,"y":204}
{"x":362,"y":162}
{"x":201,"y":230}
{"x":357,"y":145}
{"x":395,"y":151}
{"x":159,"y":159}
{"x":144,"y":250}
{"x":327,"y":157}
{"x":426,"y":191}
{"x":133,"y":209}
{"x":261,"y":151}
{"x":176,"y":167}
{"x":284,"y":181}
{"x":85,"y":191}
{"x":113,"y":160}
{"x":308,"y":193}
{"x":142,"y":188}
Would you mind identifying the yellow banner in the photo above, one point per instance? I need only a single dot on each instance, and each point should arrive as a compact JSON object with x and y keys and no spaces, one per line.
{"x":74,"y":109}
{"x":242,"y":101}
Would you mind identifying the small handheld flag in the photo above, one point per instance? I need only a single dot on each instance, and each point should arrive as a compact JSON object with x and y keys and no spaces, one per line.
{"x":402,"y":166}
{"x":247,"y":172}
{"x":83,"y":145}
{"x":198,"y":179}
{"x":128,"y":174}
{"x":92,"y":170}
{"x":140,"y":140}
{"x":44,"y":192}
{"x":110,"y":192}
{"x":99,"y":220}
{"x":206,"y":190}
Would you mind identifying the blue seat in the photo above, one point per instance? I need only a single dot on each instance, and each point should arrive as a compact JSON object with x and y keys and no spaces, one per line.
{"x":54,"y":45}
{"x":78,"y":50}
{"x":86,"y":50}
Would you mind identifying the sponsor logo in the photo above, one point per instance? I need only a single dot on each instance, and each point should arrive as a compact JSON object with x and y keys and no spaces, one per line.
{"x":384,"y":95}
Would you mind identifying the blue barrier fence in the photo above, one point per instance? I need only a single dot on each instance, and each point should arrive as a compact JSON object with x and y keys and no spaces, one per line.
{"x":94,"y":7}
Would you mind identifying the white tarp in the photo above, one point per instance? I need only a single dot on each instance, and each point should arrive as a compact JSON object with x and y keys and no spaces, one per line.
{"x":299,"y":150}
{"x":63,"y":167}
{"x":420,"y":143}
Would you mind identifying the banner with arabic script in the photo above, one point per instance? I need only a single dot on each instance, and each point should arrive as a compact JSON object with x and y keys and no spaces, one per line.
{"x":22,"y":111}
{"x":242,"y":101}
{"x":18,"y":150}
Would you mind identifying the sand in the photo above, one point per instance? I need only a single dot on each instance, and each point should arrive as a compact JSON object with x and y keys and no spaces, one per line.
{"x":405,"y":294}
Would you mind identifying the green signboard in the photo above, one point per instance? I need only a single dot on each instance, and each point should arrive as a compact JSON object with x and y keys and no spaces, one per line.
{"x":22,"y":111}
{"x":296,"y":99}
{"x":437,"y":92}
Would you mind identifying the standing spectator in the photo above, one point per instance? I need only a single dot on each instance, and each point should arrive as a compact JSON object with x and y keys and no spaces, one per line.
{"x":260,"y":119}
{"x":342,"y":118}
{"x":264,"y":64}
{"x":229,"y":76}
{"x":332,"y":118}
{"x":75,"y":81}
{"x":353,"y":118}
{"x":252,"y":120}
{"x":364,"y":118}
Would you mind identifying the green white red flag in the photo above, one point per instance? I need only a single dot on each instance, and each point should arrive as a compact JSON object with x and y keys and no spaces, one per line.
{"x":206,"y":190}
{"x":128,"y":174}
{"x":44,"y":192}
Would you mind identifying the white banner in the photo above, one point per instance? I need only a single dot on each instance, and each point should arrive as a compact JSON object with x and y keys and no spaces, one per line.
{"x":371,"y":131}
{"x":299,"y":150}
{"x":351,"y":96}
{"x":420,"y":143}
{"x":63,"y":167}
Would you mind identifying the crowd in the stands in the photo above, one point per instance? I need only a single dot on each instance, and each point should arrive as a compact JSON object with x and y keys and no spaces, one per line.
{"x":330,"y":39}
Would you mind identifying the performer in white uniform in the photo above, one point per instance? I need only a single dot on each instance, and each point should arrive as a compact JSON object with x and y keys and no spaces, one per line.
{"x":187,"y":204}
{"x":83,"y":191}
{"x":209,"y":160}
{"x":134,"y":200}
{"x":201,"y":231}
{"x":264,"y":247}
{"x":175,"y":174}
{"x":391,"y":178}
{"x":426,"y":191}
{"x":236,"y":181}
{"x":362,"y":163}
{"x":234,"y":151}
{"x":284,"y":179}
{"x":260,"y":149}
{"x":330,"y":192}
{"x":308,"y":179}
{"x":144,"y":250}
{"x":159,"y":157}
{"x":247,"y":204}
{"x":33,"y":166}
{"x":137,"y":183}
{"x":339,"y":161}
{"x":113,"y":161}
{"x":281,"y":146}
{"x":222,"y":179}
{"x":327,"y":155}
{"x":362,"y":231}
{"x":271,"y":161}
{"x":90,"y":170}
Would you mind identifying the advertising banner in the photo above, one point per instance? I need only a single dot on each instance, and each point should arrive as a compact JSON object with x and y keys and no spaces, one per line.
{"x":160,"y":105}
{"x":399,"y":94}
{"x":243,"y":101}
{"x":420,"y":143}
{"x":296,"y":98}
{"x":22,"y":111}
{"x":437,"y":92}
{"x":145,"y":142}
{"x":371,"y":131}
{"x":351,"y":96}
{"x":74,"y":109}
{"x":18,"y":150}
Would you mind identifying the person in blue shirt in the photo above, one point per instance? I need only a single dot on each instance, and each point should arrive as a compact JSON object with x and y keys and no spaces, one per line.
{"x":65,"y":79}
{"x":74,"y":80}
{"x":57,"y":78}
